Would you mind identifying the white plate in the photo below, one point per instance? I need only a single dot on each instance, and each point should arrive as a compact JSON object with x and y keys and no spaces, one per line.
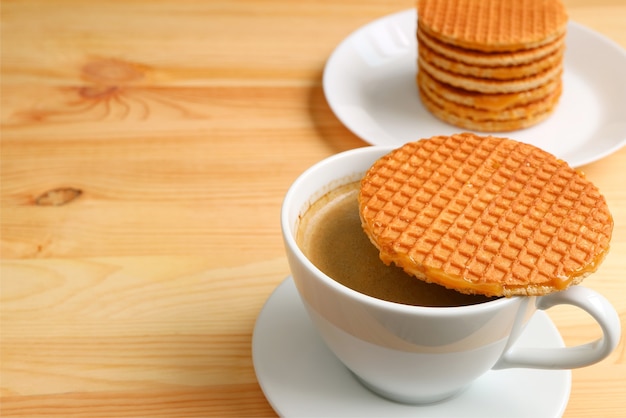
{"x":369,"y":82}
{"x":301,"y":377}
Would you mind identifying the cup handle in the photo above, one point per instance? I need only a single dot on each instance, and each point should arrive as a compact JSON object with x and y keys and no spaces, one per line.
{"x":570,"y":357}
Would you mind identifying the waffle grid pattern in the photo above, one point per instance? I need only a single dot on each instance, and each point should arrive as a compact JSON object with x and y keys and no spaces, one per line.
{"x":509,"y":23}
{"x":484,"y":210}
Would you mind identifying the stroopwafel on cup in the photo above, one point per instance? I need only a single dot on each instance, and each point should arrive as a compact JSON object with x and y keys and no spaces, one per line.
{"x":484,"y":215}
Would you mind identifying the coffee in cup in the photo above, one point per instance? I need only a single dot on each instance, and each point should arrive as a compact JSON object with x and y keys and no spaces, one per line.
{"x":331,"y":236}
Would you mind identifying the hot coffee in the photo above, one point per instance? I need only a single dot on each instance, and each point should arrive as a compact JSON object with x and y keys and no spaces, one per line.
{"x":331,"y":236}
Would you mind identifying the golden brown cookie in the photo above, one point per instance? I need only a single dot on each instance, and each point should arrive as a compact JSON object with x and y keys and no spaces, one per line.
{"x":491,"y":59}
{"x":501,"y":72}
{"x":485,"y":215}
{"x":484,"y":25}
{"x":492,"y":102}
{"x":468,"y":117}
{"x":489,"y":85}
{"x":484,"y":125}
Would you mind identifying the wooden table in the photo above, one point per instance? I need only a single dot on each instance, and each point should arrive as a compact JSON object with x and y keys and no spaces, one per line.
{"x":146,"y":148}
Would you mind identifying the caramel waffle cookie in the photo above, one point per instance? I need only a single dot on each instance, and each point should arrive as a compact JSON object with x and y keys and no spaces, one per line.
{"x":492,"y":102}
{"x":502,"y":72}
{"x":468,"y":117}
{"x":484,"y":215}
{"x":485,"y":125}
{"x":492,"y":59}
{"x":488,"y":85}
{"x":505,"y":25}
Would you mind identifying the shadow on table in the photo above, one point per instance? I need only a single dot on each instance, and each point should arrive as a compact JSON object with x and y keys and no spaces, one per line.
{"x":329,"y":128}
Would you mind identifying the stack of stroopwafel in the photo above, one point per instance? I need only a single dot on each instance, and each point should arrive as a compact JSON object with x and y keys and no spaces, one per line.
{"x":490,"y":65}
{"x":487,"y":215}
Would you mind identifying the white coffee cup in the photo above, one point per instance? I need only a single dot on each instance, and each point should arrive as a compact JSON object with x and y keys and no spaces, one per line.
{"x":414,"y":354}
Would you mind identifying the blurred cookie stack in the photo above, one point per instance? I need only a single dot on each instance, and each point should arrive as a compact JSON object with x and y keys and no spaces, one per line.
{"x":491,"y":65}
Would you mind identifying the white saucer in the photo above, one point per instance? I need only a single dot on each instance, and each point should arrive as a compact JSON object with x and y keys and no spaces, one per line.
{"x":369,"y":82}
{"x":301,"y":377}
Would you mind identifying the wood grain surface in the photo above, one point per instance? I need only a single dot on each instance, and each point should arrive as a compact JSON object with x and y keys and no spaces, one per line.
{"x":146,"y":147}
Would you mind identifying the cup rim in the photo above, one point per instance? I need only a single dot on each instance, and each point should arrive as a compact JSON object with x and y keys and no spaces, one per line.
{"x":290,"y":241}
